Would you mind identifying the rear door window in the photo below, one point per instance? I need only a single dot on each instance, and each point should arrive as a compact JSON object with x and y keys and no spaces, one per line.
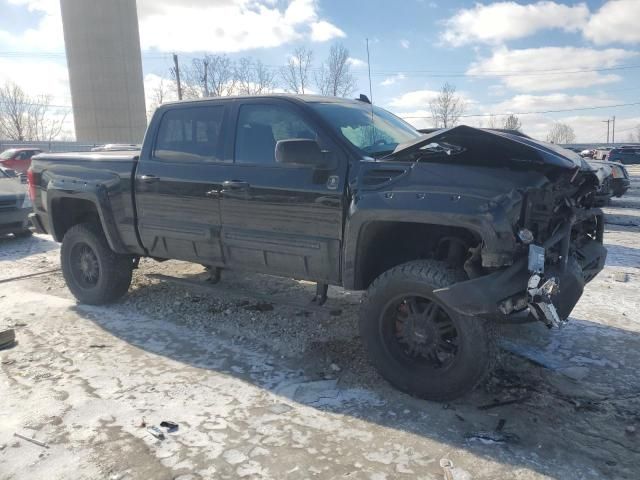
{"x":191,"y":134}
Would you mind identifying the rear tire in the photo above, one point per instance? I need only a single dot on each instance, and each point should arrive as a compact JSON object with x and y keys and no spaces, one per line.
{"x":94,"y":273}
{"x":416,"y":343}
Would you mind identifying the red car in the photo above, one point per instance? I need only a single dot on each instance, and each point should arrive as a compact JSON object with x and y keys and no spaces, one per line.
{"x":18,"y":159}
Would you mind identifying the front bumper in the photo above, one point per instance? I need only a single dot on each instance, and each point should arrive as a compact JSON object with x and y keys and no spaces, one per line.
{"x":503,"y":293}
{"x":14,"y":220}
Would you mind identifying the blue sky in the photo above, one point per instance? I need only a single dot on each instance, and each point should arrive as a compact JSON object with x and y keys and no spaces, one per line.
{"x":503,"y":57}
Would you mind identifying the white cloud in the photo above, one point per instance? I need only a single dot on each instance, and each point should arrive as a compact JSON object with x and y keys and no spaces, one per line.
{"x":616,"y":21}
{"x":588,"y":128}
{"x":356,"y":62}
{"x":29,"y":75}
{"x":405,"y":43}
{"x":193,"y":25}
{"x":393,"y":79}
{"x":229,"y":25}
{"x":553,"y":101}
{"x":546,"y":68}
{"x":46,"y":36}
{"x":413,"y":100}
{"x":498,"y":22}
{"x":323,"y":31}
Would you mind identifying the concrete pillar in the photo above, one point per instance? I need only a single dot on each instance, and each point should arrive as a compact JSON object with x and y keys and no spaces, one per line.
{"x":102,"y":42}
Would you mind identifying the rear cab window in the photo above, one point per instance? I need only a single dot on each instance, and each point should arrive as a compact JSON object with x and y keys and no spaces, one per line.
{"x":191,"y":134}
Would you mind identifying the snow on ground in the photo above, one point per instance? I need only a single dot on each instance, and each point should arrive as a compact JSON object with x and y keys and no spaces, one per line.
{"x":265,"y":390}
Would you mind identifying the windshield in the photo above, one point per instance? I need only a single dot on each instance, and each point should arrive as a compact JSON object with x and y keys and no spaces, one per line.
{"x":7,"y":154}
{"x":374,"y":134}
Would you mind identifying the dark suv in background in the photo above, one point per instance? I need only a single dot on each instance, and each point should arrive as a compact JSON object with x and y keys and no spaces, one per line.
{"x":625,"y":154}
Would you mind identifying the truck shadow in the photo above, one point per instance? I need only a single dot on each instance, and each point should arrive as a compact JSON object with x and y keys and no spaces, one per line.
{"x":572,"y":392}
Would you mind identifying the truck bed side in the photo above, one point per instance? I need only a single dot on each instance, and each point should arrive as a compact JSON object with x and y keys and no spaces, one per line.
{"x":77,"y":187}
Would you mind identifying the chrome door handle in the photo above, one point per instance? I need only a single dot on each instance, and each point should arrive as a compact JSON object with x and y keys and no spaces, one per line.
{"x":235,"y":185}
{"x":149,"y":178}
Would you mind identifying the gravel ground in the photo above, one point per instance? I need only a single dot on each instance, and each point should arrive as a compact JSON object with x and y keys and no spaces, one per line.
{"x":263,"y":386}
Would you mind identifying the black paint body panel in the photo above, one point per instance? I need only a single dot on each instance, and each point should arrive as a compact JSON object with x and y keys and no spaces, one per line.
{"x":294,"y":220}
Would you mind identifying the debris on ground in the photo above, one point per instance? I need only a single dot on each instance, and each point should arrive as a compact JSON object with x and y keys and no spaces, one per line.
{"x":447,"y":467}
{"x":620,"y":277}
{"x":502,"y":403}
{"x":453,"y":473}
{"x":98,"y":345}
{"x":169,"y":425}
{"x":143,"y":423}
{"x":7,"y":338}
{"x":32,"y":440}
{"x":630,"y":430}
{"x":489,"y":438}
{"x":156,"y":432}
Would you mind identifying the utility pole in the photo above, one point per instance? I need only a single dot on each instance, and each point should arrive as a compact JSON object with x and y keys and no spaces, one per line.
{"x":607,"y":122}
{"x":369,"y":67}
{"x":613,"y":131}
{"x":205,"y":64}
{"x":177,"y":72}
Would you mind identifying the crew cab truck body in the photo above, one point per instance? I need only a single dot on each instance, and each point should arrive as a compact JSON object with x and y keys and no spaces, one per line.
{"x":448,"y":232}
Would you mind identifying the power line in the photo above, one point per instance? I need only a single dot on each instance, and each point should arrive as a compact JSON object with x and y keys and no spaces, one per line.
{"x":534,"y":113}
{"x":407,"y":72}
{"x":426,"y":116}
{"x":510,"y":73}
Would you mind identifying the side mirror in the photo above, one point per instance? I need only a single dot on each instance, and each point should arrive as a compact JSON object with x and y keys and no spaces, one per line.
{"x":301,"y":151}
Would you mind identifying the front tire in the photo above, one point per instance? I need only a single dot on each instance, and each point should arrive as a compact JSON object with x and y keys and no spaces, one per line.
{"x":416,"y":343}
{"x":94,"y":273}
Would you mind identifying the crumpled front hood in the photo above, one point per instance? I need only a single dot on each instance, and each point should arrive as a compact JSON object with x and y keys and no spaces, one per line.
{"x":495,"y":148}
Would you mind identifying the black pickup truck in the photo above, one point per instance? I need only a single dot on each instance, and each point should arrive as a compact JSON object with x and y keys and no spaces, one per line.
{"x":448,"y":233}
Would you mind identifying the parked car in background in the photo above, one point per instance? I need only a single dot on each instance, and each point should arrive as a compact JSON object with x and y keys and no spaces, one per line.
{"x":601,"y":153}
{"x":117,"y":147}
{"x":620,"y":182}
{"x":588,"y":153}
{"x":616,"y":181}
{"x":15,"y":205}
{"x":18,"y":159}
{"x":627,"y":154}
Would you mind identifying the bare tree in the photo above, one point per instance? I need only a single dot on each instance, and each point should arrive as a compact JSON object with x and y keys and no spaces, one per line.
{"x":295,"y":74}
{"x":561,"y":133}
{"x":44,"y":124}
{"x":209,"y":76}
{"x":14,"y":112}
{"x":253,"y":77}
{"x":447,"y":107}
{"x":334,"y":77}
{"x":158,"y":95}
{"x":28,"y":118}
{"x":512,"y":122}
{"x":637,"y":133}
{"x":493,"y":121}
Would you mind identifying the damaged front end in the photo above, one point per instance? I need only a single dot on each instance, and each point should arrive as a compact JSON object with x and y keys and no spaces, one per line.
{"x":556,"y":242}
